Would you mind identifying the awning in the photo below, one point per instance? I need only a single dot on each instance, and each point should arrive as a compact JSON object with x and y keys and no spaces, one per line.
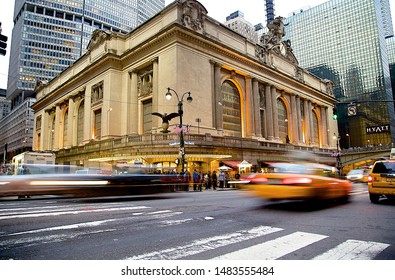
{"x":233,"y":164}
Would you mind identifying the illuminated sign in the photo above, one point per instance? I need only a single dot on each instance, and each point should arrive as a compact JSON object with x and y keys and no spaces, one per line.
{"x":378,"y":129}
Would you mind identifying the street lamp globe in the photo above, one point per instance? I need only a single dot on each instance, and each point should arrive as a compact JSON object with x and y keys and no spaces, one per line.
{"x":189,"y":97}
{"x":168,"y":94}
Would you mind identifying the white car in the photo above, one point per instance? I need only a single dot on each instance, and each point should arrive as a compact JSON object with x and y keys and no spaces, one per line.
{"x":358,"y":175}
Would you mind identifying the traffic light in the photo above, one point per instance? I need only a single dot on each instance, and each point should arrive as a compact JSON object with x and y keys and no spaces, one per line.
{"x":3,"y":44}
{"x":334,"y":113}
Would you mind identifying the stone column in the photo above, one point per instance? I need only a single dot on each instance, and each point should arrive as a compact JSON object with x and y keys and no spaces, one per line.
{"x":87,"y":117}
{"x":269,"y":113}
{"x":133,"y":111}
{"x":311,"y":125}
{"x":70,"y":125}
{"x":57,"y":128}
{"x":324,"y":129}
{"x":257,"y":113}
{"x":275,"y":114}
{"x":249,"y":109}
{"x":218,"y":96}
{"x":328,"y":137}
{"x":299,"y":117}
{"x":294,"y":121}
{"x":306,"y":120}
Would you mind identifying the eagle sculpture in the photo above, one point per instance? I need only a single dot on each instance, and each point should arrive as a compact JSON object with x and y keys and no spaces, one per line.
{"x":165,"y":120}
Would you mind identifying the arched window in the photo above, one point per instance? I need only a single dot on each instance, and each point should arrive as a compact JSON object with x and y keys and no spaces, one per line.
{"x":316,"y":129}
{"x":231,"y":113}
{"x":80,"y":123}
{"x":65,"y":127}
{"x":282,"y":120}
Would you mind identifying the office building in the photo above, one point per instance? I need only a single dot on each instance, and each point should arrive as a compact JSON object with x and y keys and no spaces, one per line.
{"x":49,"y":36}
{"x":250,"y":102}
{"x":345,"y":41}
{"x":237,"y":23}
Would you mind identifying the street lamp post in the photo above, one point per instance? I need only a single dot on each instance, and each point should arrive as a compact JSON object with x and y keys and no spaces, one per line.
{"x":338,"y":160}
{"x":180,"y":113}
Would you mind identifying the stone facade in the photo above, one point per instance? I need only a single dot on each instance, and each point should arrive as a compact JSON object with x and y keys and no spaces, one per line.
{"x":248,"y":98}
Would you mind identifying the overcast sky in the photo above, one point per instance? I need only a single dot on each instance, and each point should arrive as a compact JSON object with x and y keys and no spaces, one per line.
{"x":254,"y":12}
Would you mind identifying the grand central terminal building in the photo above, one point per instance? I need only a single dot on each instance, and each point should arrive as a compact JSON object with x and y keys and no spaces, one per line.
{"x":250,"y":102}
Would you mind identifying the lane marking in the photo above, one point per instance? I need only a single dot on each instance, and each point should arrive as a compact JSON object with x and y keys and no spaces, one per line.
{"x":353,"y":250}
{"x":205,"y":244}
{"x":73,"y":212}
{"x":275,"y":248}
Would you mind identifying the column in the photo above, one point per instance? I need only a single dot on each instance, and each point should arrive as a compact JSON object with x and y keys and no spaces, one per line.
{"x":328,"y":137}
{"x":257,"y":111}
{"x":58,"y":117}
{"x":217,"y":96}
{"x":275,"y":114}
{"x":294,"y":121}
{"x":311,"y":125}
{"x":269,"y":113}
{"x":249,"y":119}
{"x":70,"y":125}
{"x":324,"y":130}
{"x":306,"y":120}
{"x":133,"y":116}
{"x":87,"y":117}
{"x":299,"y":117}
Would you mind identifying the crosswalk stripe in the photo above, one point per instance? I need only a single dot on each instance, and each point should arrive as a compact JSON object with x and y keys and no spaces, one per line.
{"x":275,"y":248}
{"x":202,"y":245}
{"x":353,"y":250}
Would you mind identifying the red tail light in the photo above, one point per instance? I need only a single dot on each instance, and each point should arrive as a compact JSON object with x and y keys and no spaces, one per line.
{"x":257,"y":180}
{"x":296,"y":181}
{"x":370,"y":178}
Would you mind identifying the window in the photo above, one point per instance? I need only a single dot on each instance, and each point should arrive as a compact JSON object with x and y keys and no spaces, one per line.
{"x":231,"y":113}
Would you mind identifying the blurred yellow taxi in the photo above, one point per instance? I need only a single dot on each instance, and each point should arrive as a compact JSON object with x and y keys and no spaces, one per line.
{"x":382,"y":180}
{"x":298,"y":181}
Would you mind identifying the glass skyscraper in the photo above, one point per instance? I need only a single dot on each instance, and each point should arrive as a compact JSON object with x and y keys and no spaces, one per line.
{"x":50,"y":35}
{"x":345,"y":41}
{"x":47,"y":37}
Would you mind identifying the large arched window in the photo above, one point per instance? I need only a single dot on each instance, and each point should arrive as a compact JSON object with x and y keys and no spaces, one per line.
{"x":316,"y":129}
{"x":80,"y":123}
{"x":231,"y":114}
{"x":282,"y":119}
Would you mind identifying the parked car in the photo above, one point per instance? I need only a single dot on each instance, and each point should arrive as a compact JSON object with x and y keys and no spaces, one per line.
{"x":298,"y":181}
{"x":358,"y":175}
{"x":381,"y":182}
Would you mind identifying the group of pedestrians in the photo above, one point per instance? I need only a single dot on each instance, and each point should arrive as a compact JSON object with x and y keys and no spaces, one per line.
{"x":210,"y":180}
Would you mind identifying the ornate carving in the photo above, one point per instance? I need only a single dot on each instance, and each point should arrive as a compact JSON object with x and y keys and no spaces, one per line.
{"x":145,"y":83}
{"x":98,"y":36}
{"x":193,"y":15}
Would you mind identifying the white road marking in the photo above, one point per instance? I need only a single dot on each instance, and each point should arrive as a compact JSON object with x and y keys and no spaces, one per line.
{"x":72,"y":212}
{"x":275,"y":248}
{"x":202,"y":245}
{"x":354,"y":250}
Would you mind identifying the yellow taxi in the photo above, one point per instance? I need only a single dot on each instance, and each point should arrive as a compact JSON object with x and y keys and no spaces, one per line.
{"x":298,"y":181}
{"x":381,"y":181}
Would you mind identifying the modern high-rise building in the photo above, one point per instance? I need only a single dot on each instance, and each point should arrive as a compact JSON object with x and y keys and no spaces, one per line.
{"x":49,"y":36}
{"x":237,"y":23}
{"x":345,"y":41}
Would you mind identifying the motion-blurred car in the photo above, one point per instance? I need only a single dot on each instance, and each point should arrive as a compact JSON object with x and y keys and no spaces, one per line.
{"x":298,"y":181}
{"x":358,"y":175}
{"x":382,"y":180}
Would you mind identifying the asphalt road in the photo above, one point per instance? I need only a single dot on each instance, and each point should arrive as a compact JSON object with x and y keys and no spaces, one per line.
{"x":195,"y":226}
